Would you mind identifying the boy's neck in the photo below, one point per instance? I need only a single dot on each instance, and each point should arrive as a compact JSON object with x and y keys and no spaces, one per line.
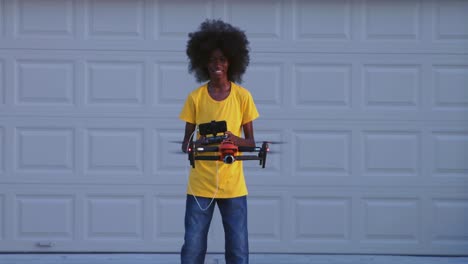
{"x":219,"y":85}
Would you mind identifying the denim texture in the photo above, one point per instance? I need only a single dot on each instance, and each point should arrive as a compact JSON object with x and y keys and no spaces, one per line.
{"x":197,"y":223}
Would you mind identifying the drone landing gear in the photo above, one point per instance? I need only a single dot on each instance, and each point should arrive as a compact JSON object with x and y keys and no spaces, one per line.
{"x":262,"y":154}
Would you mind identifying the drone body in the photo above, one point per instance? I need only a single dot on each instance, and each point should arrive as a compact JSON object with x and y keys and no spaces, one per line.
{"x":226,"y":151}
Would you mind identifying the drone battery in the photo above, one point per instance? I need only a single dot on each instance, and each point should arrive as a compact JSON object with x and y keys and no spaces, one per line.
{"x":215,"y":139}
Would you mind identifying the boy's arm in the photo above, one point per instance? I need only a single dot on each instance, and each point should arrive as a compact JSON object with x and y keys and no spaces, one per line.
{"x":189,"y":129}
{"x":248,"y":140}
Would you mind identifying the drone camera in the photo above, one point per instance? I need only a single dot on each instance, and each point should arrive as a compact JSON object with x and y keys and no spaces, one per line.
{"x":229,"y":159}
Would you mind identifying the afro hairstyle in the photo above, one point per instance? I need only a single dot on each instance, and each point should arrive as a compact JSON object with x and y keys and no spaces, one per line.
{"x":217,"y":34}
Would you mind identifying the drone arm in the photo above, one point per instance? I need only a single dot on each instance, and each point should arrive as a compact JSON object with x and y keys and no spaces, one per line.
{"x":247,"y":157}
{"x":206,"y":149}
{"x":249,"y":149}
{"x":207,"y":158}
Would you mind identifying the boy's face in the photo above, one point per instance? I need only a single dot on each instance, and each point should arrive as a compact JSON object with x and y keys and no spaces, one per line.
{"x":218,"y":65}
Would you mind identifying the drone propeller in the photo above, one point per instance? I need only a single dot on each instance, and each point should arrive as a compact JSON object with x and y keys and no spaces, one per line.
{"x":270,"y":142}
{"x":274,"y":142}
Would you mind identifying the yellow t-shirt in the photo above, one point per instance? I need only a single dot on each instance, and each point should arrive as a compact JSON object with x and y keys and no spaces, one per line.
{"x":237,"y":109}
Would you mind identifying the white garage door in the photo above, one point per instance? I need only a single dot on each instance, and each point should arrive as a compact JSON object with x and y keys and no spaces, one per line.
{"x":371,"y":98}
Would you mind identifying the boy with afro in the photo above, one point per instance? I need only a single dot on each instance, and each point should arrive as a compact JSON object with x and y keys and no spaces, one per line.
{"x":219,"y":56}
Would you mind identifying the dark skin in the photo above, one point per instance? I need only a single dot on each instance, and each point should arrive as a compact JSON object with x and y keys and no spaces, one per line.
{"x":219,"y":88}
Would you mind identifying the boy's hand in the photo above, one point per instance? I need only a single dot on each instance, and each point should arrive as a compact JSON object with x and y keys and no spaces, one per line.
{"x":231,"y":137}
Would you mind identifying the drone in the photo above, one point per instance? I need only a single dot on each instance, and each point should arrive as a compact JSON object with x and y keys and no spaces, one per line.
{"x":226,"y":151}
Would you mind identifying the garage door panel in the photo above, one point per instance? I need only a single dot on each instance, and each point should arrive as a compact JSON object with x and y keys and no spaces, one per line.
{"x":265,"y":218}
{"x":126,"y":19}
{"x":322,"y":153}
{"x":171,"y":82}
{"x":448,"y":17}
{"x":332,"y":86}
{"x":40,"y":18}
{"x":392,"y":86}
{"x":168,"y":26}
{"x":449,"y":216}
{"x":114,"y":217}
{"x":318,"y":21}
{"x":451,"y":78}
{"x":269,"y":15}
{"x":322,"y":219}
{"x":385,"y":21}
{"x":449,"y":154}
{"x":391,"y":220}
{"x":391,"y":153}
{"x":45,"y":149}
{"x":266,"y":74}
{"x":168,"y":217}
{"x":48,"y":82}
{"x":114,"y":151}
{"x":44,"y":217}
{"x":114,"y":82}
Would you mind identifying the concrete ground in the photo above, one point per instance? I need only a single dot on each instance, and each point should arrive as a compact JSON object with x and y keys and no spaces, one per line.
{"x":60,"y":258}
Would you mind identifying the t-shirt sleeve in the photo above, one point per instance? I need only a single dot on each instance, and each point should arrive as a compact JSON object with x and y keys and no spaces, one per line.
{"x":250,"y":109}
{"x":188,"y":111}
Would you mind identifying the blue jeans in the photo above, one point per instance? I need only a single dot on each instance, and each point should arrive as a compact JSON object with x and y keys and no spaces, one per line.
{"x":197,"y":223}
